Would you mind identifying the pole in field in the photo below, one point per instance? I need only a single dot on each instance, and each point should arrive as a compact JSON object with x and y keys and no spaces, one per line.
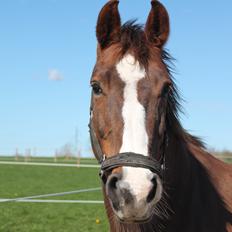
{"x":16,"y":154}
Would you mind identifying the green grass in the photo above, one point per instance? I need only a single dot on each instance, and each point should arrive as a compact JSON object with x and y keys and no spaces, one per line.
{"x":228,"y":160}
{"x":21,"y":181}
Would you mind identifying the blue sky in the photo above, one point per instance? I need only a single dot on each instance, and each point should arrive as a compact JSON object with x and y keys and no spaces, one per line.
{"x":47,"y":52}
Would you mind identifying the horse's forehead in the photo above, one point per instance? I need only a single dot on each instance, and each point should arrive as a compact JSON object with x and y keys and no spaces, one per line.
{"x":117,"y":70}
{"x":129,"y":69}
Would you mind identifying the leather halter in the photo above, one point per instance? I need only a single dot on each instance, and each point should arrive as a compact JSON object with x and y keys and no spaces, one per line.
{"x":129,"y":159}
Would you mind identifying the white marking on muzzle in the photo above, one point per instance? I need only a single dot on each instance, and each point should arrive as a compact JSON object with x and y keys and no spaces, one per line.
{"x":135,"y":138}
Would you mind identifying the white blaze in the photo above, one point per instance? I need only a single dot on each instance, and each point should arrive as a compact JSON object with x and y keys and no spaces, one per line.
{"x":135,"y":138}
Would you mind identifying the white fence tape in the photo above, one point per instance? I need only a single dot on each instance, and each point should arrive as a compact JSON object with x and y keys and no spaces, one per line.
{"x":33,"y":199}
{"x":50,"y":164}
{"x":53,"y":201}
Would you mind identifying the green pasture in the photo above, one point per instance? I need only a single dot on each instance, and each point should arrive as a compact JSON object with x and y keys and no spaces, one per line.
{"x":22,"y":181}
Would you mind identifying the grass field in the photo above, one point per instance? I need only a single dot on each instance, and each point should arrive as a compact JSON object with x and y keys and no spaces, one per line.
{"x":22,"y":181}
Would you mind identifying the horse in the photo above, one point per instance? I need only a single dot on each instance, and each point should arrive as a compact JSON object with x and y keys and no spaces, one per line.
{"x":156,"y":176}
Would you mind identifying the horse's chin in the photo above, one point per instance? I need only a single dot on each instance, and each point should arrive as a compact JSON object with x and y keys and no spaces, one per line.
{"x":143,"y":220}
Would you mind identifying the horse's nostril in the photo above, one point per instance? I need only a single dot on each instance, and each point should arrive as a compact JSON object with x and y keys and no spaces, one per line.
{"x":112,"y":181}
{"x":152,"y":193}
{"x":112,"y":190}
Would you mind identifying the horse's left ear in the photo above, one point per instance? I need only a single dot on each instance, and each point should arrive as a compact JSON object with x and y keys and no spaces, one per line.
{"x":157,"y":27}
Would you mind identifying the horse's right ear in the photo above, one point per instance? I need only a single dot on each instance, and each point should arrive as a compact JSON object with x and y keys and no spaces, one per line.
{"x":108,"y":24}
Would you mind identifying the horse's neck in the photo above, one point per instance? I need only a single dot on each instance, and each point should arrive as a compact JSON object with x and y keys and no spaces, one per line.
{"x":220,"y":173}
{"x":195,"y":201}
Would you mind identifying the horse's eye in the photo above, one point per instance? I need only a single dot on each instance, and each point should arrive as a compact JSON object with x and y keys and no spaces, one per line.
{"x":96,"y":89}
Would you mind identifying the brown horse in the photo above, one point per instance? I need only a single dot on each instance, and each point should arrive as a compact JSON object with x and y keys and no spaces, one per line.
{"x":135,"y":107}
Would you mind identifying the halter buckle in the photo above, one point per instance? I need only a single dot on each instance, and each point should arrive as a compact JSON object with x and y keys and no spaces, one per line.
{"x":103,"y":159}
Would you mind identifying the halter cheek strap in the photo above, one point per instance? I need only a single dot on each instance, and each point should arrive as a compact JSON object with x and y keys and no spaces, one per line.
{"x":95,"y":143}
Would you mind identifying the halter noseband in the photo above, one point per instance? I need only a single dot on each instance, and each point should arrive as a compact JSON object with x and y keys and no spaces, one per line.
{"x":129,"y":159}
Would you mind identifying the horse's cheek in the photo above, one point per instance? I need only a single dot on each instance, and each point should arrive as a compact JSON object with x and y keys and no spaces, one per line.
{"x":229,"y":228}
